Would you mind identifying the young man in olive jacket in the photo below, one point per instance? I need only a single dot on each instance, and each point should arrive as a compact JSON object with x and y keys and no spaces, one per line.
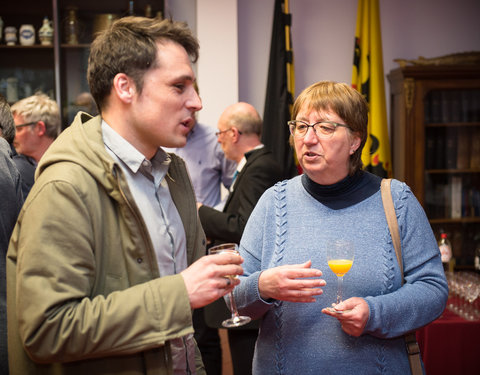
{"x":104,"y":266}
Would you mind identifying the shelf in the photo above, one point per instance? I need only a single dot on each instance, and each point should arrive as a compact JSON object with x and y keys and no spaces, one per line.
{"x":20,"y":47}
{"x":450,"y":124}
{"x":463,"y":220}
{"x":435,"y":134}
{"x":451,"y":171}
{"x":60,"y":69}
{"x":75,"y":46}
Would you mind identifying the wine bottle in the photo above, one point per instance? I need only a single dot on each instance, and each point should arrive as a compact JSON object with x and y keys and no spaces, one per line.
{"x":445,"y":248}
{"x":131,"y":8}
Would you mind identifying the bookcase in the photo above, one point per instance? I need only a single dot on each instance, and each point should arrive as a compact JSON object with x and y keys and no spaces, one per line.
{"x":59,"y":69}
{"x":435,"y":136}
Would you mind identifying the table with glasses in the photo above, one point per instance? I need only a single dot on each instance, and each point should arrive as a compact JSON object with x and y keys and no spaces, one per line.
{"x":451,"y":344}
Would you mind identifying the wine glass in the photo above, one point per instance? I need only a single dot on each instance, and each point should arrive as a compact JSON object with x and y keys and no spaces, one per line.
{"x":236,"y":320}
{"x":340,"y":254}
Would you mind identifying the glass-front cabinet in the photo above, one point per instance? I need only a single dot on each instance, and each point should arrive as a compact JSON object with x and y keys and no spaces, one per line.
{"x":435,"y":131}
{"x":54,"y":59}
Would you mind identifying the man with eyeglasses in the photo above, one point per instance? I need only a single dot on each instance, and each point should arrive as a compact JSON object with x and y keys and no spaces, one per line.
{"x":25,"y":165}
{"x":239,"y":131}
{"x":38,"y":123}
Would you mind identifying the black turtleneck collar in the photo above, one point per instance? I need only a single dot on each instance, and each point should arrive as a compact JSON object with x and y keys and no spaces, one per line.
{"x":345,"y":193}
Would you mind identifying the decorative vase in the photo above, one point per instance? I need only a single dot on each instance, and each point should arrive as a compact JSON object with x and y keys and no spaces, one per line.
{"x":27,"y":35}
{"x":10,"y":35}
{"x":72,"y":27}
{"x":103,"y":21}
{"x":45,"y":33}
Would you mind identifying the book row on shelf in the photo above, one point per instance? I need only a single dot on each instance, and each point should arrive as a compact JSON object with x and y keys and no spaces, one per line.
{"x":445,"y":106}
{"x":452,"y":147}
{"x":454,"y":199}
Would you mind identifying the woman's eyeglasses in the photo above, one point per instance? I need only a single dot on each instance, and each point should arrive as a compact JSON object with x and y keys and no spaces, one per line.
{"x":323,"y":129}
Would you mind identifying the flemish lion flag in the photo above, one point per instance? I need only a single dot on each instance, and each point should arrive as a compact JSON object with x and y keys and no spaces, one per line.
{"x":280,"y":90}
{"x":367,"y":77}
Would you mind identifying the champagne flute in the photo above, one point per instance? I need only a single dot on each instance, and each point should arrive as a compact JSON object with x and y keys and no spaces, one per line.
{"x":340,"y":254}
{"x":236,"y":320}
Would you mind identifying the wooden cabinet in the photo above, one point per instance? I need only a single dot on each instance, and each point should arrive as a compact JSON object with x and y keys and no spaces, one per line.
{"x":59,"y":69}
{"x":435,"y":132}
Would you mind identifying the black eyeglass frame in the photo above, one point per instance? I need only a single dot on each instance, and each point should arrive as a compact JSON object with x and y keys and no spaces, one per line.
{"x":26,"y":124}
{"x":292,"y":126}
{"x":224,"y":131}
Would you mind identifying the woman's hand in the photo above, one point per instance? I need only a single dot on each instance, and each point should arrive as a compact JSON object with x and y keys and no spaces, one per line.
{"x":293,"y":283}
{"x":355,"y":315}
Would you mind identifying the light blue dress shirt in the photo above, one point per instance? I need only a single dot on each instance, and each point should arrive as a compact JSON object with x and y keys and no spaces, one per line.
{"x":207,"y":165}
{"x":147,"y":182}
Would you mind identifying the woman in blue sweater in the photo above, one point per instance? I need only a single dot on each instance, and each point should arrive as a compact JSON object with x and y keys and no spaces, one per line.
{"x":287,"y":282}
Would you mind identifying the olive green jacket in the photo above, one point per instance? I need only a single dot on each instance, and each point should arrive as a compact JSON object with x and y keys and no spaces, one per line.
{"x":84,"y":292}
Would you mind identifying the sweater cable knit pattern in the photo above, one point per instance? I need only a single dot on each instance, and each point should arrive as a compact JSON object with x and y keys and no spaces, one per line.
{"x":281,"y":229}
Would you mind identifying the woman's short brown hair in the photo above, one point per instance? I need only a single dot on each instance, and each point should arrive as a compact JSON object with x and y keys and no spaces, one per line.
{"x":346,"y":102}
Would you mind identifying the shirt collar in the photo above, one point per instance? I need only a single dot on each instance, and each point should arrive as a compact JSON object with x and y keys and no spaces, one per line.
{"x":128,"y":154}
{"x":247,"y":154}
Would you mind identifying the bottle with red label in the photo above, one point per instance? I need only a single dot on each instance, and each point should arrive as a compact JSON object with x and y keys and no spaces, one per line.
{"x":445,"y":248}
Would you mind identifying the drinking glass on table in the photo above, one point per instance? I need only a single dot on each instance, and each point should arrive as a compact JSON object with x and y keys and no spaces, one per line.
{"x":236,"y":320}
{"x":340,"y":254}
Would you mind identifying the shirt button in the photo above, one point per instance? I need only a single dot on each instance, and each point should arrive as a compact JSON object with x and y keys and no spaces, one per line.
{"x":139,"y":260}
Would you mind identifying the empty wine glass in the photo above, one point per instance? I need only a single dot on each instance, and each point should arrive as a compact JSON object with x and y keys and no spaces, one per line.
{"x":236,"y":319}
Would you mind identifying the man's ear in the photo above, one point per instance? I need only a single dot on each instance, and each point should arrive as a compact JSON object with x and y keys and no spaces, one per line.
{"x":40,"y":128}
{"x":124,"y":87}
{"x":236,"y":134}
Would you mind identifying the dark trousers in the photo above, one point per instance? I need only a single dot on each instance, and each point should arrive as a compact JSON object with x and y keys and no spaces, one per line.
{"x":242,"y":347}
{"x":208,"y":342}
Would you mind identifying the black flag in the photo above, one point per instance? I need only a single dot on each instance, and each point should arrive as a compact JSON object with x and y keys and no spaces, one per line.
{"x":280,"y":89}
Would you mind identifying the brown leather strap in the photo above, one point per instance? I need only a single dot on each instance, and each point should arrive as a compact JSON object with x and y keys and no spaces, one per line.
{"x":392,"y":219}
{"x":413,"y":349}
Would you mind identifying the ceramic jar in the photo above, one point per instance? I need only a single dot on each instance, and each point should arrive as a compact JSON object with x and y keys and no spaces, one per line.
{"x":71,"y":28}
{"x":27,"y":35}
{"x":10,"y":35}
{"x":45,"y":33}
{"x":12,"y":89}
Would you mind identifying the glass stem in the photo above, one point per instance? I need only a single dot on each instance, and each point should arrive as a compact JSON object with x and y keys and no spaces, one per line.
{"x":233,"y":306}
{"x":339,"y":289}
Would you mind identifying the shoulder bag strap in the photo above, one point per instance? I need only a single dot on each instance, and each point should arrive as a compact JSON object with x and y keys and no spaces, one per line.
{"x":410,"y":339}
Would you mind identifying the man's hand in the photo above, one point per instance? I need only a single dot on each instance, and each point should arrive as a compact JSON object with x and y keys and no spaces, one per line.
{"x":294,"y":283}
{"x":207,"y":279}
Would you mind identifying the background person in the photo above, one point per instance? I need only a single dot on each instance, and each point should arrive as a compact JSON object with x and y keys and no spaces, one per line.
{"x":102,"y":280}
{"x":25,"y":165}
{"x":38,"y":124}
{"x":239,"y":132}
{"x":284,"y":247}
{"x":10,"y":203}
{"x":207,"y":165}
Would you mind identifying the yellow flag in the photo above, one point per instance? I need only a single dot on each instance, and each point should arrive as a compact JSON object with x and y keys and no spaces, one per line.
{"x":367,"y":77}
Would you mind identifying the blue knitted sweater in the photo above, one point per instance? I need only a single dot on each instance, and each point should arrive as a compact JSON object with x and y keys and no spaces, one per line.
{"x":290,"y":226}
